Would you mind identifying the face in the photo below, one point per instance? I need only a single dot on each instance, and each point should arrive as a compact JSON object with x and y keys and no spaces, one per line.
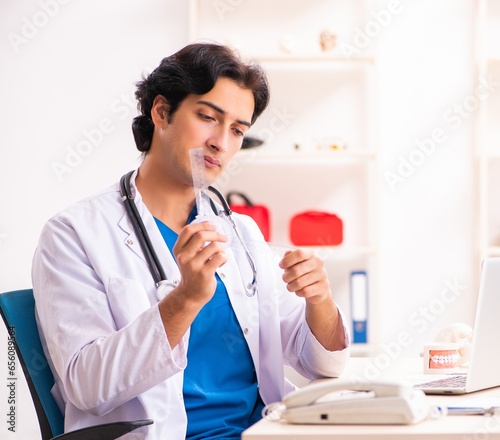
{"x":215,"y":121}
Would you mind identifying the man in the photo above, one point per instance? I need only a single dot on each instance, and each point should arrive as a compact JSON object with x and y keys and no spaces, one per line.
{"x":203,"y":359}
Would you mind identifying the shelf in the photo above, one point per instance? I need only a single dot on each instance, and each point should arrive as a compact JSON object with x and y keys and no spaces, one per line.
{"x":363,"y":350}
{"x":493,"y":251}
{"x":343,"y":252}
{"x":260,"y":155}
{"x":489,"y":62}
{"x":325,"y":252}
{"x":286,"y":30}
{"x":310,"y":58}
{"x":492,"y":156}
{"x":320,"y":130}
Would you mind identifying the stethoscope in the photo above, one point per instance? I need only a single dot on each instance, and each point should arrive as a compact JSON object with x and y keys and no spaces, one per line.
{"x":162,"y":283}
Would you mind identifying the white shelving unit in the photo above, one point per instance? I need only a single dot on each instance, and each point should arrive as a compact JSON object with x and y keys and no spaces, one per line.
{"x":320,"y":147}
{"x":488,"y":133}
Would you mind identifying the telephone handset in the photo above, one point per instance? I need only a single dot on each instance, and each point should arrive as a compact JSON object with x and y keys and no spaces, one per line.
{"x":335,"y":401}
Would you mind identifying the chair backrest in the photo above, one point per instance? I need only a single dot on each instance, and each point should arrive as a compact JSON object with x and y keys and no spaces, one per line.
{"x":18,"y":312}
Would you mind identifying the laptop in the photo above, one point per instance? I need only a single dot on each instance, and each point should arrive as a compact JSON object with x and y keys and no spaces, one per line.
{"x":484,"y":363}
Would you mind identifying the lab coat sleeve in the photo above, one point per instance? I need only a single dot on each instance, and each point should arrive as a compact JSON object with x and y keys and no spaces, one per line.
{"x":314,"y":361}
{"x":301,"y":349}
{"x":100,"y":365}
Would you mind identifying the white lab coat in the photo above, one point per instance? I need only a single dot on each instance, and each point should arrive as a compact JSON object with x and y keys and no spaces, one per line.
{"x":97,"y":311}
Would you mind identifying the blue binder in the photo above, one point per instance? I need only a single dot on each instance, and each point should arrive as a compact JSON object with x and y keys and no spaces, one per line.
{"x":359,"y":306}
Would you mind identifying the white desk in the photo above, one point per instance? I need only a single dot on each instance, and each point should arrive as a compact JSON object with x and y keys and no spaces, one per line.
{"x":449,"y":428}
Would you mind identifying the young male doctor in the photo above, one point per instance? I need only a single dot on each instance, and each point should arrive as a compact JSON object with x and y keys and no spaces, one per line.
{"x":204,"y":359}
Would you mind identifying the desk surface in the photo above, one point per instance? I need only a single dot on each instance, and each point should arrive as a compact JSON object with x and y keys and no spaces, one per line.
{"x":450,"y":427}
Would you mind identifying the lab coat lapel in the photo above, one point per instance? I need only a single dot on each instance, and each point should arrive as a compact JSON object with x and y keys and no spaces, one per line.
{"x":164,"y":255}
{"x":132,"y":243}
{"x":246,"y":308}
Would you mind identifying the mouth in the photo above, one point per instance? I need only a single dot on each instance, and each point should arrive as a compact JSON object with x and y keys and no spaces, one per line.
{"x":211,"y":162}
{"x":443,"y":359}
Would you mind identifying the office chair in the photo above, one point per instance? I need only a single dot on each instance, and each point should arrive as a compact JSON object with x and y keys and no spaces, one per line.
{"x":18,"y":312}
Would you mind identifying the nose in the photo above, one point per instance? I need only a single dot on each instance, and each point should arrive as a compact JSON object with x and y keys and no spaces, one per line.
{"x":219,"y":139}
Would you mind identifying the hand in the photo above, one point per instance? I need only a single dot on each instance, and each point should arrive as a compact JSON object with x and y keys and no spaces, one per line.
{"x":197,"y":263}
{"x":199,"y":255}
{"x":305,"y":275}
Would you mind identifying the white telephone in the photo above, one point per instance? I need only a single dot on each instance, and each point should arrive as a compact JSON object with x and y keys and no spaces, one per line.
{"x":340,"y":402}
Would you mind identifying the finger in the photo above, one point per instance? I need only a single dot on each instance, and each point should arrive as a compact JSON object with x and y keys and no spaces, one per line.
{"x":205,"y":260}
{"x":206,"y":253}
{"x":217,"y":260}
{"x":300,"y":269}
{"x":198,"y":257}
{"x":199,"y":239}
{"x":203,"y":238}
{"x":189,"y":230}
{"x":314,"y":293}
{"x":302,"y":282}
{"x":292,"y":258}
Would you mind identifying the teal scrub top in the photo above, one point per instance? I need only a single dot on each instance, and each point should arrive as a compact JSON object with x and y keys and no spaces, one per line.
{"x":221,"y":394}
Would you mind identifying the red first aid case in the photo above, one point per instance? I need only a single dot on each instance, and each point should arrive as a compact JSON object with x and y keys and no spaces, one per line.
{"x":315,"y":228}
{"x":259,"y":213}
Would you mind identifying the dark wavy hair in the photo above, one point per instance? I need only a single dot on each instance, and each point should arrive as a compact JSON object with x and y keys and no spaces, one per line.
{"x":194,"y":70}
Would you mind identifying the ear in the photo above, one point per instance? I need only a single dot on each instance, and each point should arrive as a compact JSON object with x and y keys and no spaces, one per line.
{"x":159,"y":111}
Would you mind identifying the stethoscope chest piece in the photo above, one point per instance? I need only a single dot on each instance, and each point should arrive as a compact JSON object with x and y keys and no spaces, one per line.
{"x":251,"y":289}
{"x":165,"y":287}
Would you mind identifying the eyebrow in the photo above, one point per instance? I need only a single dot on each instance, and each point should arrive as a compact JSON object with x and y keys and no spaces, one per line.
{"x":222,"y":112}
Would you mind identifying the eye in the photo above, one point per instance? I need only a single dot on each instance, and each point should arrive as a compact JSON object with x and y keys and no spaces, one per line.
{"x":205,"y":117}
{"x":238,"y":132}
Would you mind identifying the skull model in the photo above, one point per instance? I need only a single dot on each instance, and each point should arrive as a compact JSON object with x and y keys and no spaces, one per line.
{"x":460,"y":334}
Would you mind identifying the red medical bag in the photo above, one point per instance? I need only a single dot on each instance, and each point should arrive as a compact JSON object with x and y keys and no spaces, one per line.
{"x":315,"y":228}
{"x":259,"y":213}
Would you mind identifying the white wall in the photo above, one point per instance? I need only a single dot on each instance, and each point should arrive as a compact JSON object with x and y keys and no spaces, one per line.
{"x":428,"y":220}
{"x":68,"y":71}
{"x":76,"y":73}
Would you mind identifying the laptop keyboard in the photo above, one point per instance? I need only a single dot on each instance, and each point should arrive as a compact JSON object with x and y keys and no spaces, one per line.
{"x":456,"y":381}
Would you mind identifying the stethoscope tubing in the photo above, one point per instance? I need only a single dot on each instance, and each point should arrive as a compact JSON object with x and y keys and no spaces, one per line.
{"x":152,"y":259}
{"x":140,"y":229}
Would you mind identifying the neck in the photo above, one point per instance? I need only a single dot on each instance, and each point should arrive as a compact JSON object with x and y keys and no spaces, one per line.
{"x":166,"y":201}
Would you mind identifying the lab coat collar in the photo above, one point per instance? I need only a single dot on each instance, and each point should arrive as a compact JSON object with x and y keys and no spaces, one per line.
{"x":133,"y":244}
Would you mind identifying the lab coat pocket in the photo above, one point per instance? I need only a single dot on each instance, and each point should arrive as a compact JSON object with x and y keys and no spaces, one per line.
{"x":127,"y":299}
